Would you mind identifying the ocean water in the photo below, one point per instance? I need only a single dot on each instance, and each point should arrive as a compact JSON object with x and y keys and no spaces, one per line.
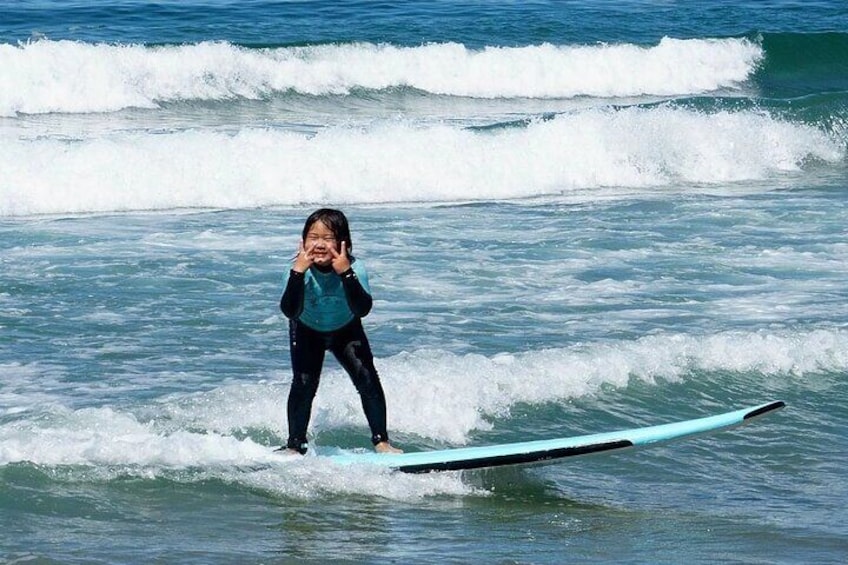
{"x":577,"y":217}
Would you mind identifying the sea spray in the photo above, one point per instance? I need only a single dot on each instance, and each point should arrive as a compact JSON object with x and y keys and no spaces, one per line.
{"x":67,"y":76}
{"x":404,"y":162}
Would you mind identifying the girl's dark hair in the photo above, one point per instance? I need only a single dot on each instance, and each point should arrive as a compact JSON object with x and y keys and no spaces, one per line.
{"x":335,"y":220}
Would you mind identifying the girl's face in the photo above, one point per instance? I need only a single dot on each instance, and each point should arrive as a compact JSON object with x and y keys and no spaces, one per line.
{"x":319,"y":240}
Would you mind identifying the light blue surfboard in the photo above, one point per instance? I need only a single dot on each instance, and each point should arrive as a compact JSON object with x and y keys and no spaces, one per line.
{"x":544,"y":451}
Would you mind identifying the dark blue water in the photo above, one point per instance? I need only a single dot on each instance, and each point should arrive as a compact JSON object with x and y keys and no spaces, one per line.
{"x":473,"y":23}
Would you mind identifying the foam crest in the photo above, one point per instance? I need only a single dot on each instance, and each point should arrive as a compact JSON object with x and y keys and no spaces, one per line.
{"x":403,"y":162}
{"x":431,"y":394}
{"x":103,"y":444}
{"x":103,"y":436}
{"x":447,"y":397}
{"x":65,"y":76}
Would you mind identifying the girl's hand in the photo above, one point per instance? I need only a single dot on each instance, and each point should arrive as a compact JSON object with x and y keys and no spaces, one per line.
{"x":304,"y":258}
{"x":341,"y":262}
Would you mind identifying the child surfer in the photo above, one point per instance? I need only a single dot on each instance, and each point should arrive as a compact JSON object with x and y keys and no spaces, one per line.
{"x":325,"y":298}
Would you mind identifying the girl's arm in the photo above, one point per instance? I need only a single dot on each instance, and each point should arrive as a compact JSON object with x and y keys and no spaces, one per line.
{"x":358,"y":299}
{"x":291,"y":302}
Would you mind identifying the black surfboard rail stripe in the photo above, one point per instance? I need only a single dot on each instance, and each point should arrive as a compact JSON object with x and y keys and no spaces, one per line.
{"x":517,"y":459}
{"x":776,"y":405}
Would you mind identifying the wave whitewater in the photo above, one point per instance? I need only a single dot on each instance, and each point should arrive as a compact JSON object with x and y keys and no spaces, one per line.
{"x":212,"y":428}
{"x":66,"y":76}
{"x":401,"y":162}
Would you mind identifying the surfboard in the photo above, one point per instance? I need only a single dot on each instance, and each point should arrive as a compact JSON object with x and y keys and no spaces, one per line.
{"x":550,"y":450}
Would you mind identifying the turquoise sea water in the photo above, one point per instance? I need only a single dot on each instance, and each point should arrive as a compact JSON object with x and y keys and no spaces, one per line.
{"x":577,"y":217}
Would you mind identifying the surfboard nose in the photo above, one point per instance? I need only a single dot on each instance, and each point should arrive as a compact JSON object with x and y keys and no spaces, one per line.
{"x":776,"y":405}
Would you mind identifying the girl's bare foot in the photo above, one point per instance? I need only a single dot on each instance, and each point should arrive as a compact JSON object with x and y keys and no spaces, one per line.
{"x":386,"y":447}
{"x":287,"y":451}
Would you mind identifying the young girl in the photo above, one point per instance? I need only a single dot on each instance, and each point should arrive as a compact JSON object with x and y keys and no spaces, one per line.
{"x":326,"y":295}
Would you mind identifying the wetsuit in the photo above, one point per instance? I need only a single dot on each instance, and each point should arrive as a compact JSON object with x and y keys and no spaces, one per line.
{"x":325,"y":311}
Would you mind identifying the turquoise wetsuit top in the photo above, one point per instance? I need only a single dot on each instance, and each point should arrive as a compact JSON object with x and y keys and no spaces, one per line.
{"x":325,"y":304}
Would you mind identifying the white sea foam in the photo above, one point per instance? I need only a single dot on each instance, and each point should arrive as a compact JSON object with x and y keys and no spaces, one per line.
{"x":403,"y":162}
{"x":432,"y":394}
{"x":447,"y":397}
{"x":102,"y":436}
{"x":103,"y":443}
{"x":29,"y":386}
{"x":312,"y":477}
{"x":65,"y":76}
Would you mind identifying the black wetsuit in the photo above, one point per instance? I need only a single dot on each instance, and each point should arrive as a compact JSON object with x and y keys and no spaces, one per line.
{"x":348,"y":344}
